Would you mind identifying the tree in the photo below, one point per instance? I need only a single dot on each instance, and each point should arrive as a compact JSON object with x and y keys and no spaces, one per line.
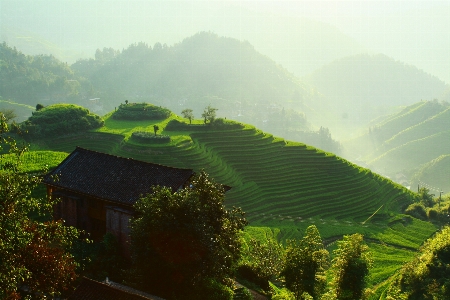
{"x":428,"y":275}
{"x":32,"y":253}
{"x":187,"y":113}
{"x":155,"y":129}
{"x":185,"y":239}
{"x":425,"y":197}
{"x":306,"y":262}
{"x":209,"y":114}
{"x":8,"y":114}
{"x":263,"y":261}
{"x":39,"y":107}
{"x":350,"y":267}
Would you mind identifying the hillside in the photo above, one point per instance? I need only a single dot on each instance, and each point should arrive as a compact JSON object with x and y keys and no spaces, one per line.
{"x":282,"y":186}
{"x":405,"y":141}
{"x":202,"y":69}
{"x":363,"y":87}
{"x":272,"y":179}
{"x":30,"y":80}
{"x":434,"y":175}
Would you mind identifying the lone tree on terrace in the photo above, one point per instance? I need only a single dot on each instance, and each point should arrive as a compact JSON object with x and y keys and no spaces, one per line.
{"x":209,"y":114}
{"x":188,"y":114}
{"x":185,"y":240}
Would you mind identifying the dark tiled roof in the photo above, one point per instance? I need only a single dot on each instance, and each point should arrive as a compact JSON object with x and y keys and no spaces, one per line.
{"x":113,"y":178}
{"x":89,"y":289}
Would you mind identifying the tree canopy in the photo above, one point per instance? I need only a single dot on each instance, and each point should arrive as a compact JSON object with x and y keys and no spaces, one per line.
{"x":32,"y":253}
{"x":185,"y":239}
{"x":427,"y":276}
{"x":349,"y":269}
{"x":306,"y":262}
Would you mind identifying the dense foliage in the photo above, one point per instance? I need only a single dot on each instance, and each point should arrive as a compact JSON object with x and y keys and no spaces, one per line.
{"x":60,"y":119}
{"x":185,"y":239}
{"x":262,"y":261}
{"x":349,"y":269}
{"x":140,"y":111}
{"x":148,"y":137}
{"x":428,"y":275}
{"x":306,"y":262}
{"x":32,"y":253}
{"x":29,"y":79}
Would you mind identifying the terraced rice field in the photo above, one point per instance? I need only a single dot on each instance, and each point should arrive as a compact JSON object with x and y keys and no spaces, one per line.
{"x":268,"y":175}
{"x":282,"y":186}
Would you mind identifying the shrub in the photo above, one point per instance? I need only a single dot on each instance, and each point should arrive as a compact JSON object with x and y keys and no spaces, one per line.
{"x":60,"y":119}
{"x":417,"y":210}
{"x":149,"y":137}
{"x":140,"y":111}
{"x":242,"y":293}
{"x":217,"y":124}
{"x":432,"y":214}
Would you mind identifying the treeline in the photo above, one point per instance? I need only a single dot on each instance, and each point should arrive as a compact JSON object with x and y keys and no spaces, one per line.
{"x":41,"y":78}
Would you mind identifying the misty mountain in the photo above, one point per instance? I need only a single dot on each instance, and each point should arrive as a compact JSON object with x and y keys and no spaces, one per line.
{"x":406,"y":141}
{"x":299,"y":44}
{"x":27,"y":79}
{"x":362,"y":87}
{"x":201,"y":70}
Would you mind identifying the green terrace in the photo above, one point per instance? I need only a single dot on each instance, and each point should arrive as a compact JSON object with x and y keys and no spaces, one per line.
{"x":282,"y":186}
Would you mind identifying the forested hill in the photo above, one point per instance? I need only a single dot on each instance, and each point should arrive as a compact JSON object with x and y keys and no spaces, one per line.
{"x":30,"y":80}
{"x":203,"y":69}
{"x":362,"y":87}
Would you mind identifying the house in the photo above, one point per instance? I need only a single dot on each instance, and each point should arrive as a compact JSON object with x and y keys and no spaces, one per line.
{"x":98,"y":190}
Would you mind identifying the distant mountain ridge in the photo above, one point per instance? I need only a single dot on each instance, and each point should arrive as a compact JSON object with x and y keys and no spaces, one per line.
{"x":202,"y":69}
{"x":362,"y":87}
{"x":407,"y":142}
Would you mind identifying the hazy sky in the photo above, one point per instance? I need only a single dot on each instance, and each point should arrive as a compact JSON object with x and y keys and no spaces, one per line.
{"x":416,"y":32}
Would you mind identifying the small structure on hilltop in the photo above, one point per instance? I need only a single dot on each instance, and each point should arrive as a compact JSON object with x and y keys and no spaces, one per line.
{"x":98,"y":190}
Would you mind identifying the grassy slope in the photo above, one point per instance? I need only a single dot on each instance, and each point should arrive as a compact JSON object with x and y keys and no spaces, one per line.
{"x":435,"y":172}
{"x":281,"y":185}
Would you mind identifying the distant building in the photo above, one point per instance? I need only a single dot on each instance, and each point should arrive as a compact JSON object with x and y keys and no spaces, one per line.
{"x":98,"y":190}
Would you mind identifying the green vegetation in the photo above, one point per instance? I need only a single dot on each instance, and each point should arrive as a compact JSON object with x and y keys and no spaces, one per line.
{"x":380,"y":85}
{"x":33,"y":253}
{"x":427,"y":276}
{"x":186,"y":244}
{"x":60,"y":119}
{"x":306,"y":263}
{"x":35,"y":161}
{"x":409,"y":145}
{"x":435,"y":174}
{"x":350,"y":266}
{"x":284,"y":187}
{"x":140,"y":111}
{"x":30,"y":79}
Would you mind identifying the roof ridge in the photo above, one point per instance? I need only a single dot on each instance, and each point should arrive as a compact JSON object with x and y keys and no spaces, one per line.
{"x":128,"y":158}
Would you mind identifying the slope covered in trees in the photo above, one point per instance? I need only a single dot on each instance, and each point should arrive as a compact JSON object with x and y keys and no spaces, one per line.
{"x":34,"y":79}
{"x":202,"y":69}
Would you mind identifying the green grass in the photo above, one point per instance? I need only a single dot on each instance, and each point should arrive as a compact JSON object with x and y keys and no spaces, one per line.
{"x":36,"y":161}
